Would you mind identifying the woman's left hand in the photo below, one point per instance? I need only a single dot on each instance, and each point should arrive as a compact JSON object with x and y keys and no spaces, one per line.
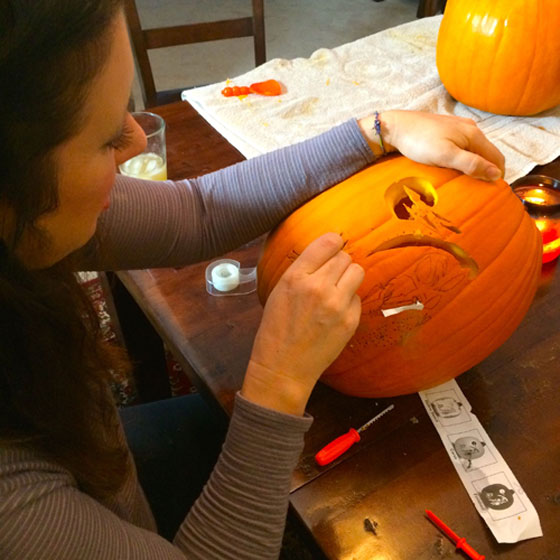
{"x":442,"y":140}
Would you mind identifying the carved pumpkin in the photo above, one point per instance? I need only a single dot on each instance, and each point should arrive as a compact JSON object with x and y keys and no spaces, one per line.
{"x":501,"y":56}
{"x":460,"y":255}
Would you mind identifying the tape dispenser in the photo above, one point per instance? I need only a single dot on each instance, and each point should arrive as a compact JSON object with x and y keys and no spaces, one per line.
{"x":225,"y":277}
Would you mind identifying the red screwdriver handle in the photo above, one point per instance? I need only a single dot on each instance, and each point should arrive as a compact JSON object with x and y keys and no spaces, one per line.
{"x":337,"y":447}
{"x":462,"y":544}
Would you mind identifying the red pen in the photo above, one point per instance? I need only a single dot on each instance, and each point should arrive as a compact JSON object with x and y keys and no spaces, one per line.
{"x":460,"y":542}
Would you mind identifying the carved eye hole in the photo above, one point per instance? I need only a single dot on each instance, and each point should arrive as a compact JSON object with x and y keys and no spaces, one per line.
{"x":406,"y":193}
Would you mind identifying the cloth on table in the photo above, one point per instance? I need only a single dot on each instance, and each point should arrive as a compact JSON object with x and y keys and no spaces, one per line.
{"x":392,"y":69}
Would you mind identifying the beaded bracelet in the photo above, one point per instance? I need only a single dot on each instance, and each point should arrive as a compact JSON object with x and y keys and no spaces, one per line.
{"x":378,"y":131}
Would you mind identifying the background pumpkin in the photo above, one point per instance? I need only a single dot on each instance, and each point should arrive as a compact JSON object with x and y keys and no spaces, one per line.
{"x":501,"y":56}
{"x":465,"y":248}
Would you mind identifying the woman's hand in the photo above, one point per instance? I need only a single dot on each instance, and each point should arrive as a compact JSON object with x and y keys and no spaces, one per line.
{"x":309,"y":317}
{"x":442,"y":140}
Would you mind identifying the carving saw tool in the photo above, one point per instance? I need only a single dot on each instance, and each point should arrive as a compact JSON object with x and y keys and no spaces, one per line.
{"x":342,"y":443}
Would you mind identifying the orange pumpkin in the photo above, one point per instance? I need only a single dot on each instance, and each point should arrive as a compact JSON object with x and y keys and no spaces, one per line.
{"x":501,"y":56}
{"x":460,"y":255}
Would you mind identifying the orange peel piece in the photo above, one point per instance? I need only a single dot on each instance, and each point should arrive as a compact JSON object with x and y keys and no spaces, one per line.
{"x":268,"y":87}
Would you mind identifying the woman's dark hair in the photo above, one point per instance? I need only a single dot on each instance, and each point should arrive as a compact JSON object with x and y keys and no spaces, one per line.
{"x":54,"y":367}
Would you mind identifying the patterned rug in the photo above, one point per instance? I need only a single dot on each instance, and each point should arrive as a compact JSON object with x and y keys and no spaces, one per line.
{"x":123,"y":386}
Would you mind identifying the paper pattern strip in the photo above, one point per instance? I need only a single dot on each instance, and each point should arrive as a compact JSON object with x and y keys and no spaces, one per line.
{"x":490,"y":483}
{"x":392,"y":69}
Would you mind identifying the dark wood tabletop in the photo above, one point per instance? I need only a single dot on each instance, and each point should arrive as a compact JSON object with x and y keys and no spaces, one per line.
{"x":400,"y":468}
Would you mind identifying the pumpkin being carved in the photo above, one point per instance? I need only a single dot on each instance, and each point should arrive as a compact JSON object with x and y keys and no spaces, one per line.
{"x":501,"y":56}
{"x":451,"y":262}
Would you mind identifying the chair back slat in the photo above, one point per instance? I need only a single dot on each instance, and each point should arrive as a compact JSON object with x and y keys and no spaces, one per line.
{"x":143,"y":40}
{"x":258,"y":31}
{"x":198,"y":33}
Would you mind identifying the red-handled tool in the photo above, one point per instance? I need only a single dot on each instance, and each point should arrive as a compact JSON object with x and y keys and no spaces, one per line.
{"x":460,"y":542}
{"x":342,"y":443}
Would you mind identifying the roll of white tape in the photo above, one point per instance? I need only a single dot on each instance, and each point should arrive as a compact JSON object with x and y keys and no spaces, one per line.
{"x":225,"y":277}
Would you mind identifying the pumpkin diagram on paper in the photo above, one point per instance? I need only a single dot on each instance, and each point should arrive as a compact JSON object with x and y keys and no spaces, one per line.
{"x":447,"y":409}
{"x":492,"y":487}
{"x":471,"y":450}
{"x":497,"y":495}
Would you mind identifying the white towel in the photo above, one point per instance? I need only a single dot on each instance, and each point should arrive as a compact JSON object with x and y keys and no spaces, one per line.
{"x":392,"y":69}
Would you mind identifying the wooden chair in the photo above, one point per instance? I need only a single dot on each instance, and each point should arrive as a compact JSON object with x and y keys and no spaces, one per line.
{"x":144,"y":40}
{"x":427,"y":8}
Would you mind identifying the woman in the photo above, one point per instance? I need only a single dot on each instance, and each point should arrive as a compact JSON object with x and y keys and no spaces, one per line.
{"x":68,"y":483}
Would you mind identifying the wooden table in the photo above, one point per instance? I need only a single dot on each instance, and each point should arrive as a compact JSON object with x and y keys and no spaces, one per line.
{"x":400,"y":467}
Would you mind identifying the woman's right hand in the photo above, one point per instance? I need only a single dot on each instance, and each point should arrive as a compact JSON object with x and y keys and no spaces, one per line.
{"x":309,"y":317}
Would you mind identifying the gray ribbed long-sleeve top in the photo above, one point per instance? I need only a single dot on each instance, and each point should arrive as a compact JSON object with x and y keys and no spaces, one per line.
{"x":241,"y":512}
